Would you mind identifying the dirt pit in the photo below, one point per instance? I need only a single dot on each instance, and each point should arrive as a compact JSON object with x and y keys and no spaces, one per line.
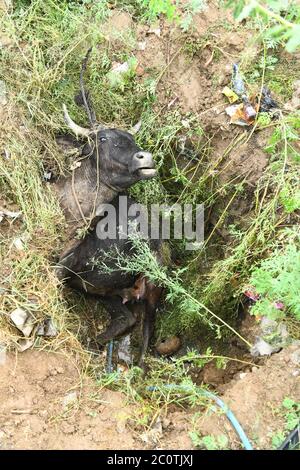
{"x":46,"y":400}
{"x":47,"y":404}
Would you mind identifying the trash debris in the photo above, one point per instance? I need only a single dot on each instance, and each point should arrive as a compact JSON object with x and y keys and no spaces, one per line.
{"x":249,"y":111}
{"x":169,"y":346}
{"x":5,"y":154}
{"x":251,"y":295}
{"x":141,"y":46}
{"x":119,"y":68}
{"x":245,"y":112}
{"x":18,"y":244}
{"x":262,"y":348}
{"x":153,"y":436}
{"x":239,"y":115}
{"x":278,"y":305}
{"x":267,"y":103}
{"x":124,"y":353}
{"x":75,"y":165}
{"x":154,"y":29}
{"x":69,"y":399}
{"x":3,"y":93}
{"x":23,"y":320}
{"x":48,"y":175}
{"x":237,"y":82}
{"x":10,"y":214}
{"x":47,"y":328}
{"x":2,"y":355}
{"x":24,"y":344}
{"x":118,"y":72}
{"x":230,"y":94}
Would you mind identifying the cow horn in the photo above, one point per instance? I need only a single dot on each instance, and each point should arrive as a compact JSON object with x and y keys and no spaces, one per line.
{"x":78,"y":130}
{"x":135,"y":129}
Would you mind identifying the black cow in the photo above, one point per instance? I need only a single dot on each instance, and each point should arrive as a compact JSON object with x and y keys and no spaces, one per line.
{"x":111,"y":162}
{"x":81,"y":268}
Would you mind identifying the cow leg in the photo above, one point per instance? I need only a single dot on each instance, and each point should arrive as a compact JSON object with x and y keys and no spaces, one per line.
{"x":122,"y":319}
{"x":153,"y":295}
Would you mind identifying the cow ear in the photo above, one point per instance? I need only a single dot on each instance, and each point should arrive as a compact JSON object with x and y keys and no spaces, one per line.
{"x":135,"y":129}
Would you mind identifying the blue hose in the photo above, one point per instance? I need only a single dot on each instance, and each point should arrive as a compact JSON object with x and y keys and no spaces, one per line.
{"x":110,"y":347}
{"x":238,"y":428}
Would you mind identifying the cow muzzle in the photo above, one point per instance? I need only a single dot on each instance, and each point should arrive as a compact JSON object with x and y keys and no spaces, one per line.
{"x":143,"y":164}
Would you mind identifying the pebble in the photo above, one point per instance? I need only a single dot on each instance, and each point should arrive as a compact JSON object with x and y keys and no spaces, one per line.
{"x":3,"y":93}
{"x":168,"y":346}
{"x":69,"y":399}
{"x":295,"y":357}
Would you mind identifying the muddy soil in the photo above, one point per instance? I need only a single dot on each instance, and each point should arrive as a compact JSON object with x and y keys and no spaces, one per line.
{"x":47,"y":404}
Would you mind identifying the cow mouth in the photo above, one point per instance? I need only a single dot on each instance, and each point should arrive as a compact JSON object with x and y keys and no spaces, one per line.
{"x":146,"y":172}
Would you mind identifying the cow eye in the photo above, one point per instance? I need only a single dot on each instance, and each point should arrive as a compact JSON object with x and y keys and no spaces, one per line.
{"x":103,"y":139}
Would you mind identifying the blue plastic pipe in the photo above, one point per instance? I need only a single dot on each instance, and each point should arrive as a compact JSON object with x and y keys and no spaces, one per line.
{"x":238,"y":428}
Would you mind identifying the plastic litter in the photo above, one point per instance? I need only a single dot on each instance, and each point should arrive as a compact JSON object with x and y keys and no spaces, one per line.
{"x":230,"y":94}
{"x":10,"y":214}
{"x":23,"y":320}
{"x":47,"y":328}
{"x":267,"y":103}
{"x":292,"y":441}
{"x":262,"y":348}
{"x":240,"y":114}
{"x":237,"y":81}
{"x":124,"y":353}
{"x":244,"y":113}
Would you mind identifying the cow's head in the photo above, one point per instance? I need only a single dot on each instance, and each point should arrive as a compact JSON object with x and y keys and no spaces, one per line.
{"x":121,"y":162}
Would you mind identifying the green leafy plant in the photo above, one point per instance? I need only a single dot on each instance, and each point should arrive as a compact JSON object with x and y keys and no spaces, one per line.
{"x":209,"y":442}
{"x":190,"y":9}
{"x":143,"y":260}
{"x":282,"y":17}
{"x":277,"y":281}
{"x":290,"y":411}
{"x":290,"y":199}
{"x":153,"y":8}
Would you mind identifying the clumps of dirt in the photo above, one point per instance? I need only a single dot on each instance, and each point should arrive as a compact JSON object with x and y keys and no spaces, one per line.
{"x":47,"y":404}
{"x":255,"y":397}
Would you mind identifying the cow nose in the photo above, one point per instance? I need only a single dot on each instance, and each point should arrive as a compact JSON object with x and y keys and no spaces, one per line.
{"x":143,"y":155}
{"x":142,"y":162}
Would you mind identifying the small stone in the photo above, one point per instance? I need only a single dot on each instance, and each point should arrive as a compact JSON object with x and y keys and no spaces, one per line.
{"x":254,"y":369}
{"x":296,"y":373}
{"x":165,"y":423}
{"x":141,"y":46}
{"x":168,"y":346}
{"x":140,"y":71}
{"x":3,"y":93}
{"x":295,"y":357}
{"x":2,"y":355}
{"x":243,"y":375}
{"x":69,"y":399}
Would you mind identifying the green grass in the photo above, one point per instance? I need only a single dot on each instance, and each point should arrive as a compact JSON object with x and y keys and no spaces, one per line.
{"x":290,"y":412}
{"x":49,"y":40}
